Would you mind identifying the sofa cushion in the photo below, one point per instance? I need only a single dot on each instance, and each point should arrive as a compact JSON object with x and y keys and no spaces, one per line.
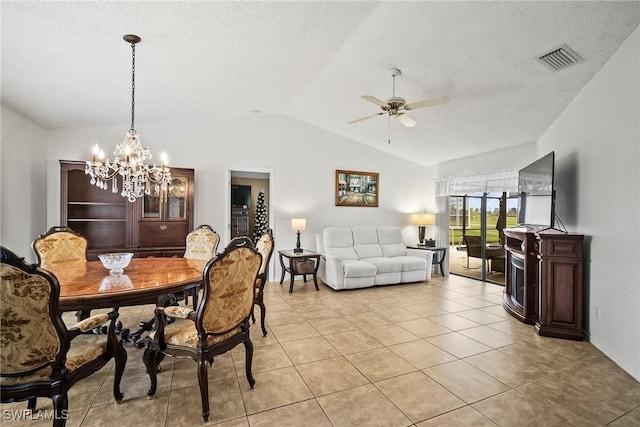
{"x":365,"y":242}
{"x":355,"y":268}
{"x":391,"y":242}
{"x":411,"y":263}
{"x":386,"y":265}
{"x":338,"y":241}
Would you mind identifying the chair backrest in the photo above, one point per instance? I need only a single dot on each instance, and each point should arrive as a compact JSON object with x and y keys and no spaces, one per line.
{"x":264,"y":245}
{"x":228,"y":288}
{"x":58,"y":245}
{"x":474,"y":245}
{"x":202,"y":243}
{"x":33,"y":333}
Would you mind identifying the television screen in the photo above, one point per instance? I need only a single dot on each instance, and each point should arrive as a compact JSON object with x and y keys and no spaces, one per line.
{"x":536,"y":203}
{"x":240,"y":195}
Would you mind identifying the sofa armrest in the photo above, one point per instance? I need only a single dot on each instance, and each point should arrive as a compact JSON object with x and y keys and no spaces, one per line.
{"x":332,"y":271}
{"x":422,"y":253}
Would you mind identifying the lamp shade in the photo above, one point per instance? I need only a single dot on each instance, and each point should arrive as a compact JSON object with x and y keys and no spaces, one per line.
{"x":423,"y":219}
{"x":298,"y":224}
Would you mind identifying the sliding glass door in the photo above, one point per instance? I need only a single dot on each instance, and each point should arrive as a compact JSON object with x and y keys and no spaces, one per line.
{"x":476,"y":238}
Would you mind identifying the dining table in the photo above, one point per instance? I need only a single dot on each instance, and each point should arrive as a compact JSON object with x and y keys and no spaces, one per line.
{"x":86,"y":286}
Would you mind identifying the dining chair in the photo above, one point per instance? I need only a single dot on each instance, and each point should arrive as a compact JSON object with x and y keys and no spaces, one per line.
{"x":220,"y":322}
{"x":61,"y":245}
{"x":58,"y":245}
{"x":201,"y":243}
{"x":39,"y":356}
{"x":264,"y":245}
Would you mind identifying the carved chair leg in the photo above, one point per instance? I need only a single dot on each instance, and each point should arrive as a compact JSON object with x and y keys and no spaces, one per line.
{"x":253,"y":317}
{"x":60,"y":409}
{"x":204,"y":388}
{"x":263,"y":314}
{"x":150,"y":362}
{"x":248,"y":346}
{"x":121,"y":361}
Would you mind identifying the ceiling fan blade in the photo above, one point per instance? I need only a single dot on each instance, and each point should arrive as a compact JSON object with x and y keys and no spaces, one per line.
{"x":374,"y":100}
{"x":406,"y":120}
{"x":365,"y":118}
{"x":427,"y":103}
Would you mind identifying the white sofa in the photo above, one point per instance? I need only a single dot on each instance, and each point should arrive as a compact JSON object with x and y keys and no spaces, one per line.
{"x":361,"y":257}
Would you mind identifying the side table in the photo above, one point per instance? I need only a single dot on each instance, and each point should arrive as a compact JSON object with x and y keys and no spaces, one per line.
{"x":306,"y":262}
{"x":438,"y":257}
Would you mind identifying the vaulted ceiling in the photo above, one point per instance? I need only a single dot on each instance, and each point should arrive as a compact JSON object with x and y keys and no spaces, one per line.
{"x":64,"y":64}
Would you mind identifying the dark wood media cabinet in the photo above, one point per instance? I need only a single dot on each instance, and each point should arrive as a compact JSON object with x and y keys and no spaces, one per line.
{"x":544,"y":281}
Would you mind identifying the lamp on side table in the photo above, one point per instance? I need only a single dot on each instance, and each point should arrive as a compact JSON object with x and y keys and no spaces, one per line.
{"x":422,"y":220}
{"x":298,"y":224}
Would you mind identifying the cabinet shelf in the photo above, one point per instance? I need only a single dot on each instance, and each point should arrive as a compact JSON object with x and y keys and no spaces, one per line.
{"x":74,"y":203}
{"x":96,"y":220}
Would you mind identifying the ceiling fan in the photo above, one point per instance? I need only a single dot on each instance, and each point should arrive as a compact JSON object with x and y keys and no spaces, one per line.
{"x":395,"y":106}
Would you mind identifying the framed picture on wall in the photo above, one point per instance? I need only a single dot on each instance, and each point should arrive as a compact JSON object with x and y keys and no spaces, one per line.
{"x":355,"y":188}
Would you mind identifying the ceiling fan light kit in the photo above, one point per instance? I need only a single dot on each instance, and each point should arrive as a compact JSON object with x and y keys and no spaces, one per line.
{"x":396,"y":105}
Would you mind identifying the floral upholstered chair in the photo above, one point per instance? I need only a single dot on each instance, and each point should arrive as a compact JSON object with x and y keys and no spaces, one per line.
{"x":264,"y":245}
{"x":220,"y":322}
{"x":202,"y":243}
{"x":39,"y":356}
{"x":59,"y":245}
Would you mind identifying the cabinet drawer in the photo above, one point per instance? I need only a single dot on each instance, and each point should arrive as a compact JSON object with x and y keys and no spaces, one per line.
{"x":163,"y":233}
{"x":565,"y":247}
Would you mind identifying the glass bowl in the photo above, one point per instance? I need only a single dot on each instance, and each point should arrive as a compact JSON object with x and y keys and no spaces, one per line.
{"x":116,"y":262}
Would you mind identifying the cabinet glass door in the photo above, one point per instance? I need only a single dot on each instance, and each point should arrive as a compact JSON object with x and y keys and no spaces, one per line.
{"x":152,"y":204}
{"x":176,"y":199}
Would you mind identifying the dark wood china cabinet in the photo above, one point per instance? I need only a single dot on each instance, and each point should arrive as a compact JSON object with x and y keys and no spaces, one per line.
{"x":154,"y":225}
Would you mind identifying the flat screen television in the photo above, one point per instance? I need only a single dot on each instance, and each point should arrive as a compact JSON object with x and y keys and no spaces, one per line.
{"x":240,"y":195}
{"x":536,"y":201}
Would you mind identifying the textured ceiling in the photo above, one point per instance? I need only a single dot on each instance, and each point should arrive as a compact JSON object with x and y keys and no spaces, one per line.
{"x":64,"y":64}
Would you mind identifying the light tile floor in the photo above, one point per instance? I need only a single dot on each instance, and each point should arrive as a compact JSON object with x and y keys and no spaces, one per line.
{"x":438,"y":353}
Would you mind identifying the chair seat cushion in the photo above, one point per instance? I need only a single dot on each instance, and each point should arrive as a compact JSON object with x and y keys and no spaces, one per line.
{"x":183,"y":332}
{"x":84,"y":348}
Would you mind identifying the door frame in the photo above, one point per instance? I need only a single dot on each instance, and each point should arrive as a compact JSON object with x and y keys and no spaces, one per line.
{"x":270,"y":207}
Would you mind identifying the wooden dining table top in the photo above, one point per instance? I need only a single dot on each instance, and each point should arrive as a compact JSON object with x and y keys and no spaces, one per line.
{"x":89,"y":285}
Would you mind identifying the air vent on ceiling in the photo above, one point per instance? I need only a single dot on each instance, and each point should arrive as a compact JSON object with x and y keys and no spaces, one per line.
{"x":560,"y":58}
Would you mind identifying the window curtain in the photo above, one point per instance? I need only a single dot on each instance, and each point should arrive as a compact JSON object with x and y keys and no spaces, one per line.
{"x":490,"y":182}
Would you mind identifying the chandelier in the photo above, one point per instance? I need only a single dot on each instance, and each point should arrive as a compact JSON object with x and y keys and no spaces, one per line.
{"x":136,"y":176}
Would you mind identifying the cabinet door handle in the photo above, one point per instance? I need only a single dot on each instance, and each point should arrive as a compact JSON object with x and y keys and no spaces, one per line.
{"x":163,"y":227}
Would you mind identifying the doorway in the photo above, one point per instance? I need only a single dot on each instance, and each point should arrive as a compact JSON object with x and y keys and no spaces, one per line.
{"x":476,"y":239}
{"x":249,"y":203}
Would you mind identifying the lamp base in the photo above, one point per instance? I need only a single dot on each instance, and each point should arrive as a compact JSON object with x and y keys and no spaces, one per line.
{"x":298,"y":251}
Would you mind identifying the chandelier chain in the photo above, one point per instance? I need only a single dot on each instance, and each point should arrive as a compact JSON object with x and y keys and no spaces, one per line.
{"x":133,"y":86}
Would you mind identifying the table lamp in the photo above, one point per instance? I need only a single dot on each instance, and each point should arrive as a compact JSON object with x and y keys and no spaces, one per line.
{"x":422,"y":220}
{"x":298,"y":224}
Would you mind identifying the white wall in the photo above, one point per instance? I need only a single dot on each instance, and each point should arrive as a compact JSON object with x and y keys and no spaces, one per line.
{"x":22,"y":182}
{"x":597,"y":145}
{"x":303,"y":158}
